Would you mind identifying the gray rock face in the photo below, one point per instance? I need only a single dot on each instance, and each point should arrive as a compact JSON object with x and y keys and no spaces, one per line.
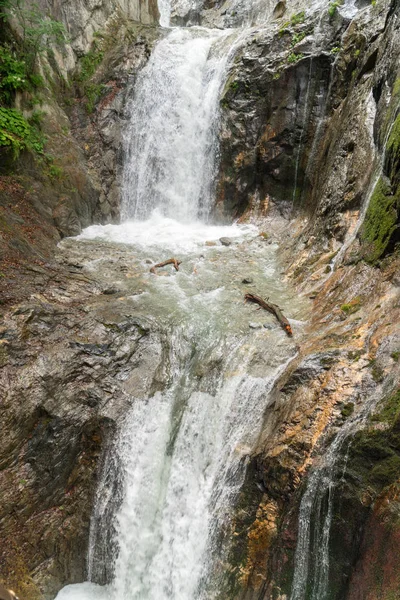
{"x":302,"y":122}
{"x":84,"y":19}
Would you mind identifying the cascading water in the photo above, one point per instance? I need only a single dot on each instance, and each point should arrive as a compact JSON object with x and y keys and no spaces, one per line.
{"x":173,"y":127}
{"x":182,"y":453}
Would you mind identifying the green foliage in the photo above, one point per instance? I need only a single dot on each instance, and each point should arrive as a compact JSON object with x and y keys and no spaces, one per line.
{"x":37,"y":30}
{"x":298,"y":18}
{"x":335,"y":50}
{"x":347,"y":410}
{"x":16,"y":134}
{"x":389,"y":410}
{"x":333,"y":7}
{"x":298,"y":37}
{"x":93,"y":92}
{"x":380,"y":221}
{"x":90,"y":62}
{"x":374,"y":455}
{"x":55,"y":172}
{"x":294,"y":57}
{"x":12,"y":74}
{"x":395,"y":356}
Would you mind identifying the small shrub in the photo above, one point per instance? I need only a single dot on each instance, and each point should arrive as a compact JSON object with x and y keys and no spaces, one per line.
{"x":12,"y":75}
{"x":335,"y":50}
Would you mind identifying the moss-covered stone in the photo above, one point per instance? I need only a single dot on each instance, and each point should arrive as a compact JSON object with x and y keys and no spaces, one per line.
{"x":380,"y":221}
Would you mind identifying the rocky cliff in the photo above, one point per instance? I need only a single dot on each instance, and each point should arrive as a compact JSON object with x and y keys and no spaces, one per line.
{"x":309,"y":143}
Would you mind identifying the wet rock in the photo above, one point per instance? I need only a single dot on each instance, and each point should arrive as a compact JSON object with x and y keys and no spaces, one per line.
{"x":248,"y":280}
{"x":225,"y":241}
{"x":253,"y":325}
{"x":309,"y":369}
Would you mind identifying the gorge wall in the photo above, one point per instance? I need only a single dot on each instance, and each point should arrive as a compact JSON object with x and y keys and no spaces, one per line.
{"x":309,"y":143}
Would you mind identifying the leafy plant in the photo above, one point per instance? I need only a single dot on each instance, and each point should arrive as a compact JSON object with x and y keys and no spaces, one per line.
{"x":298,"y":37}
{"x":16,"y":134}
{"x":333,"y":6}
{"x":294,"y":58}
{"x":12,"y":74}
{"x":335,"y":50}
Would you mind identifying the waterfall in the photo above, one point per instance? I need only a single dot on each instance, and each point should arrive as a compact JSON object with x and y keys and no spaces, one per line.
{"x":173,"y":127}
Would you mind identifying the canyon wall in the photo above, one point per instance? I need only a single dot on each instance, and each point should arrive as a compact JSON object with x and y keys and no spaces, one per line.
{"x":309,"y":132}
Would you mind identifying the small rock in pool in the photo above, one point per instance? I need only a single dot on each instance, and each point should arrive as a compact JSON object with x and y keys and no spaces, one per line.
{"x":268,"y":326}
{"x":110,"y":290}
{"x":148,"y":261}
{"x":255,"y":325}
{"x":247,"y":280}
{"x":211,"y":243}
{"x":225,"y":241}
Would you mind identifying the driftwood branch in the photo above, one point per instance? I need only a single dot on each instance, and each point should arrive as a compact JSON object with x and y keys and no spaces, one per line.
{"x":170,"y":261}
{"x":273,"y":309}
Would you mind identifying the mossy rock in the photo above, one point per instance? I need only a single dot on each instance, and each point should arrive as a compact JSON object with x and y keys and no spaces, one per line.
{"x":381,"y":221}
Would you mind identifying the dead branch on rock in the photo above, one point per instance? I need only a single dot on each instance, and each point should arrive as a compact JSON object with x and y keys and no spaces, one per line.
{"x":170,"y":261}
{"x":273,"y":309}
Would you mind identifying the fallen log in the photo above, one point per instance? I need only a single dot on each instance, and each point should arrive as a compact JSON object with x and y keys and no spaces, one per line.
{"x":170,"y":261}
{"x":273,"y":309}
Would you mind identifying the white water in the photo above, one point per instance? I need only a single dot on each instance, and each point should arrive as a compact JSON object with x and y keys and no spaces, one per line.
{"x":163,"y":234}
{"x":171,"y":142}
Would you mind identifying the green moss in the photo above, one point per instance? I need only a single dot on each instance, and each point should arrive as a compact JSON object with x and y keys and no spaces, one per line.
{"x":351,"y":307}
{"x":386,"y":471}
{"x":347,"y":410}
{"x":389,"y":410}
{"x":380,"y":221}
{"x":376,"y":371}
{"x":393,"y":149}
{"x":90,"y":62}
{"x":395,"y":355}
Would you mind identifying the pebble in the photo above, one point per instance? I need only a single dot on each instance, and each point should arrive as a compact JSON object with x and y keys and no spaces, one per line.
{"x":225,"y":241}
{"x":247,"y":280}
{"x":255,"y":325}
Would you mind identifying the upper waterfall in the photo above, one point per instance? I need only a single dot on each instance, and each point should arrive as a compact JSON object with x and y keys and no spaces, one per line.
{"x":170,"y":144}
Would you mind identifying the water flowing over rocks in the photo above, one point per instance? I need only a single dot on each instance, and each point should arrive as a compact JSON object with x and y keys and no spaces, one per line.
{"x":295,"y":483}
